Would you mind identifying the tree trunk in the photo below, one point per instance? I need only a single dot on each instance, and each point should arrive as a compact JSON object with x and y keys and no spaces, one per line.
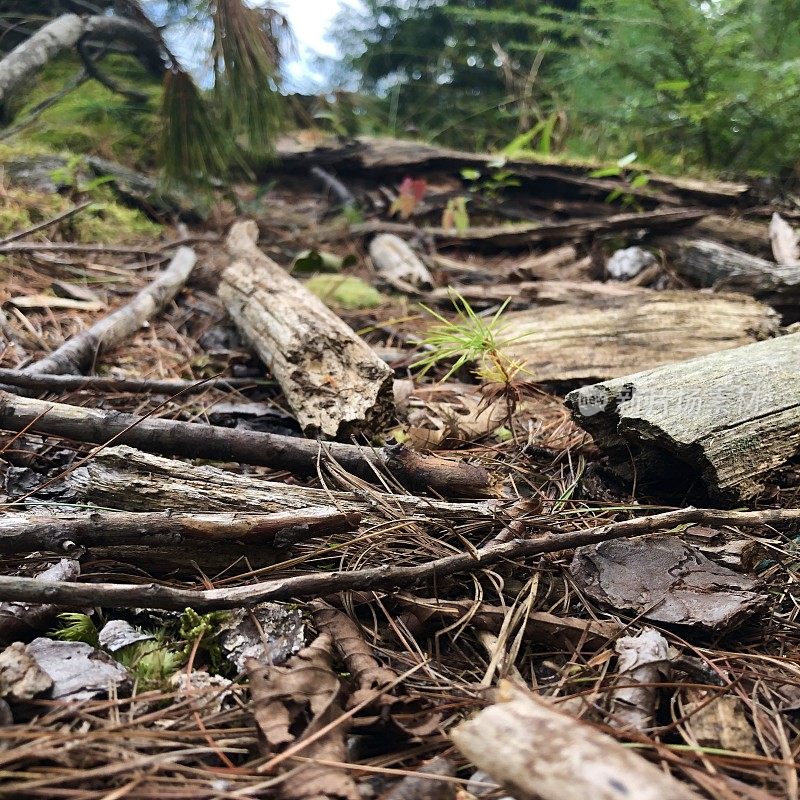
{"x":718,"y":423}
{"x":334,"y":382}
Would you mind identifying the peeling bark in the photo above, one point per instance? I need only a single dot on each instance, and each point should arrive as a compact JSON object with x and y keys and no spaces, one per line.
{"x":334,"y":382}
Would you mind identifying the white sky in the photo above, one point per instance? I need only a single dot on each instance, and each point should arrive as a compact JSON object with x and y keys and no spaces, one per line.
{"x":310,"y":21}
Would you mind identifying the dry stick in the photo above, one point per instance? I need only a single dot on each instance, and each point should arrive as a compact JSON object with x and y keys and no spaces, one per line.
{"x":47,"y":223}
{"x":58,"y":532}
{"x":320,"y":584}
{"x":93,"y":383}
{"x":194,"y":440}
{"x":77,"y":354}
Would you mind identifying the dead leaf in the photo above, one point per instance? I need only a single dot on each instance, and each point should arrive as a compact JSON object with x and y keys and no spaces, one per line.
{"x":785,"y":242}
{"x":462,"y":420}
{"x":292,"y":702}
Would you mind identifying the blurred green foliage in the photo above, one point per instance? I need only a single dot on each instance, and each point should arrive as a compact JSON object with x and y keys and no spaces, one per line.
{"x":687,"y":84}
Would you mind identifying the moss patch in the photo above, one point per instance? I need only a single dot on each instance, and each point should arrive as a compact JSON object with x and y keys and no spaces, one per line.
{"x":105,"y":222}
{"x":344,"y":291}
{"x":93,"y":119}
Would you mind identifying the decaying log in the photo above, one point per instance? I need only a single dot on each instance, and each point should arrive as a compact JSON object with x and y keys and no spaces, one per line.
{"x":526,"y":234}
{"x":539,"y":753}
{"x":722,"y":421}
{"x":386,"y":156}
{"x":744,"y":234}
{"x":194,"y":440}
{"x":21,"y":533}
{"x":121,"y":477}
{"x":708,"y":263}
{"x":320,"y":584}
{"x":77,"y":354}
{"x":610,"y":331}
{"x":398,"y":264}
{"x":332,"y":379}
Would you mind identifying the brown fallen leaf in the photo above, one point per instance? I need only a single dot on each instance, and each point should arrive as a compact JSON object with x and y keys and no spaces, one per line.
{"x":462,"y":420}
{"x":370,"y":677}
{"x":292,"y":702}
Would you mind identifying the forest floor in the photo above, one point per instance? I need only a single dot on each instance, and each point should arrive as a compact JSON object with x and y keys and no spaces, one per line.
{"x":558,"y":597}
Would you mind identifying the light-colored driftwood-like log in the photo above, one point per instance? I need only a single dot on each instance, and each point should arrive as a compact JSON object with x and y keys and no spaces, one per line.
{"x":320,"y":584}
{"x":78,"y":353}
{"x":195,"y":440}
{"x":398,"y":264}
{"x":333,"y":380}
{"x":722,"y":421}
{"x":539,"y":753}
{"x":708,"y":263}
{"x":619,"y":330}
{"x":21,"y":533}
{"x":121,"y":477}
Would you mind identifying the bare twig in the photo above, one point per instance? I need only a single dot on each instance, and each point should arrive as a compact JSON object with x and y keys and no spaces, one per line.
{"x":320,"y":584}
{"x":75,"y":355}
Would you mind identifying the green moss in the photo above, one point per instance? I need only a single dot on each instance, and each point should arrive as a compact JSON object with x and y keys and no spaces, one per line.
{"x":112,"y":222}
{"x":93,"y":119}
{"x":348,"y":292}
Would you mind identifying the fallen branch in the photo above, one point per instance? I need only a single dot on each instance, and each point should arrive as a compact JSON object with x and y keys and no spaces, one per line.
{"x":70,"y":212}
{"x":59,"y":532}
{"x":102,"y":384}
{"x":320,"y":584}
{"x":77,"y":354}
{"x":195,"y":440}
{"x":333,"y":380}
{"x":539,"y":753}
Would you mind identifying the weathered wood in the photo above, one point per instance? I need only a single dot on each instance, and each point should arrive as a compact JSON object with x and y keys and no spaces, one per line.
{"x":20,"y":533}
{"x":194,"y":440}
{"x":721,"y":421}
{"x":708,"y":263}
{"x":97,"y":383}
{"x":78,"y":353}
{"x":618,"y":330}
{"x":320,"y":584}
{"x":398,"y":264}
{"x":334,"y":382}
{"x":539,"y":753}
{"x":121,"y":477}
{"x":744,"y":234}
{"x":397,"y":156}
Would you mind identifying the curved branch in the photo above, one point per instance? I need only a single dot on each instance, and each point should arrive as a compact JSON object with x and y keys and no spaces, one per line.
{"x":70,"y":30}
